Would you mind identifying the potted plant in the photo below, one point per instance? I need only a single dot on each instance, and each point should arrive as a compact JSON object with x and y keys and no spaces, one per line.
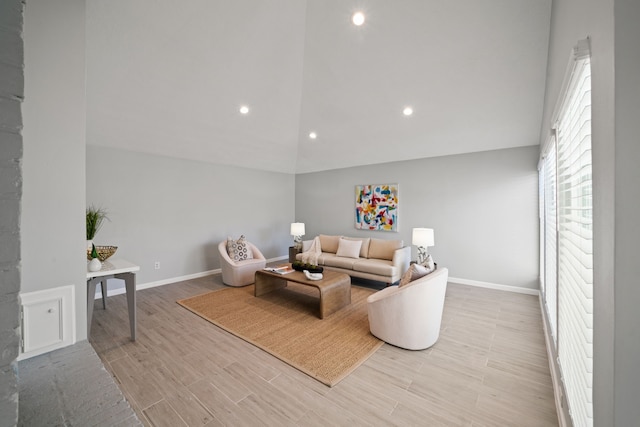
{"x":301,"y":266}
{"x":95,"y":218}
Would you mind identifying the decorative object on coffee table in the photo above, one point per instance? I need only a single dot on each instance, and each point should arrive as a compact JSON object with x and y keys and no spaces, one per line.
{"x":297,"y":231}
{"x":301,"y":266}
{"x":422,"y":238}
{"x":312,"y":276}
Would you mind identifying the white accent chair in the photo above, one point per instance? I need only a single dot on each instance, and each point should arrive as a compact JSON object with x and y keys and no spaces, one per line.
{"x":410,"y":316}
{"x":240,"y":273}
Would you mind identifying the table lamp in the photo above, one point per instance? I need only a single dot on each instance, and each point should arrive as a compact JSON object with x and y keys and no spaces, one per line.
{"x":422,"y":238}
{"x":297,"y":231}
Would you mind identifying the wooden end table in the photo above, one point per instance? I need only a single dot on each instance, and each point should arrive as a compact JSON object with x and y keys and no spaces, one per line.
{"x":292,"y":254}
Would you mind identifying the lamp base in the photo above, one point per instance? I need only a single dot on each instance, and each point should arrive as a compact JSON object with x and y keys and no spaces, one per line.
{"x":422,"y":254}
{"x":297,"y":243}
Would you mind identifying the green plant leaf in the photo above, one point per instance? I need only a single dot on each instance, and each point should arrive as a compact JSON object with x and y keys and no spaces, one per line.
{"x":95,"y":218}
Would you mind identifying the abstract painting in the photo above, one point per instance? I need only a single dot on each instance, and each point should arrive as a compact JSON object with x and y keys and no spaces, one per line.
{"x":377,"y":207}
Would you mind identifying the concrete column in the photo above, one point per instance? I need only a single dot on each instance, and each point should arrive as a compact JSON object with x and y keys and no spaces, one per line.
{"x":11,"y":95}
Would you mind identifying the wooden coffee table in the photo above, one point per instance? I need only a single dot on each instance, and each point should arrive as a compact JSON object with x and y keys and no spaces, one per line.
{"x":335,"y":288}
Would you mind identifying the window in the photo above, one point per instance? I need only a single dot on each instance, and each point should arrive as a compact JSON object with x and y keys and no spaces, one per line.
{"x":549,"y":218}
{"x":567,"y":264}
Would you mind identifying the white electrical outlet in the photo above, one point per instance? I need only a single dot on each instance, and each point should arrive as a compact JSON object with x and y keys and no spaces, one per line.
{"x":157,"y":265}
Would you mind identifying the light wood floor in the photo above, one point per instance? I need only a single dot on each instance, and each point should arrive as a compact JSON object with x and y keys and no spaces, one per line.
{"x":489,"y":368}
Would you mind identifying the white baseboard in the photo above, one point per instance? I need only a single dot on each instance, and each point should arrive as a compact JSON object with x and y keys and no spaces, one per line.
{"x":141,"y":286}
{"x":496,"y":286}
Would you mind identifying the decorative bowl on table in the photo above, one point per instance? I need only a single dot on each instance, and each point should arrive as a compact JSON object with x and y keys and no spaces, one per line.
{"x":104,"y":252}
{"x":300,"y":266}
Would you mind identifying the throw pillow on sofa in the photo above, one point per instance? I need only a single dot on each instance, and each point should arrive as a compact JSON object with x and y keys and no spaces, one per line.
{"x":329,"y":243}
{"x":383,"y":249}
{"x":349,"y":248}
{"x":238,"y":250}
{"x":364,"y":247}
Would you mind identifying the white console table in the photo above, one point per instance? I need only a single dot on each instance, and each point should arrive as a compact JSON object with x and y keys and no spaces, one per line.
{"x":113,"y":269}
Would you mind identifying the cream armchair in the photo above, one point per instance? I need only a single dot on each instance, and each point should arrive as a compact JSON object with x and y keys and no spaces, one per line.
{"x":240,"y":273}
{"x":409,"y":316}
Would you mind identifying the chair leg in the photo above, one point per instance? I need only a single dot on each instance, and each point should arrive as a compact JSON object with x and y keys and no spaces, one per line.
{"x":103,"y":284}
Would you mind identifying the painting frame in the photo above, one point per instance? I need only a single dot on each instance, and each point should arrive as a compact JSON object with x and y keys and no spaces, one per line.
{"x":376,"y":207}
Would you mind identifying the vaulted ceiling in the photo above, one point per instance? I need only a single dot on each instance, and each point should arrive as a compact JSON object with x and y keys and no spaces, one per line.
{"x":168,"y":77}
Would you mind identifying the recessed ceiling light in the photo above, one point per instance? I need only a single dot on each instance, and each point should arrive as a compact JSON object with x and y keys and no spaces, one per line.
{"x":244,"y":109}
{"x":313,"y":135}
{"x":407,"y":111}
{"x":358,"y":18}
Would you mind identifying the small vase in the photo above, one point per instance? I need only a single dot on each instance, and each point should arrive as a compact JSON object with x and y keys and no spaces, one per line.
{"x":95,"y":265}
{"x":89,"y":244}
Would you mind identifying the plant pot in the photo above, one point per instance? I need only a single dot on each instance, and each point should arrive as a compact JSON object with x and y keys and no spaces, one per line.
{"x":301,"y":267}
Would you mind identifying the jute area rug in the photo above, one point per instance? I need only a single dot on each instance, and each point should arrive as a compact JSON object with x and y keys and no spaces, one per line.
{"x":285,"y":323}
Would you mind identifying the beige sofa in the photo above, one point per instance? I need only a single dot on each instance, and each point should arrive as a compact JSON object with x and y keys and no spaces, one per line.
{"x":368,"y":258}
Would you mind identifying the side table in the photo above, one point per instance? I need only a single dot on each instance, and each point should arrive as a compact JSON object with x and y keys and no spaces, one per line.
{"x":292,"y":254}
{"x":114,"y":269}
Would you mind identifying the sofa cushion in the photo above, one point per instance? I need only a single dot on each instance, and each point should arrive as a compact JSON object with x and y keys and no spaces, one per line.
{"x":333,"y":260}
{"x":238,"y":250}
{"x":375,"y":266}
{"x":329,"y":243}
{"x":364,"y":248}
{"x":349,"y":248}
{"x":414,"y":272}
{"x":383,"y":249}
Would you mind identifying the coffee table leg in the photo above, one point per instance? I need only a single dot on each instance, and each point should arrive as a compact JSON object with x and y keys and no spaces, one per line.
{"x":333,"y":299}
{"x":265,"y":284}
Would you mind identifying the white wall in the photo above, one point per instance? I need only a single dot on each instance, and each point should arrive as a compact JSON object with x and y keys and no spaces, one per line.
{"x":615,"y":70}
{"x":177,"y":211}
{"x":482,"y":206}
{"x":53,"y":202}
{"x":627,"y":212}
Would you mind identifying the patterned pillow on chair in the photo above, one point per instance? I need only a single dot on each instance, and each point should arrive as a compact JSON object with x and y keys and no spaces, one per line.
{"x":238,"y":250}
{"x":414,"y":272}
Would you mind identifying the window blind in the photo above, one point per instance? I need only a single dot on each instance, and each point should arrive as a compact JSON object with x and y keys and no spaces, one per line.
{"x":575,"y":244}
{"x":541,"y":229}
{"x":550,"y":291}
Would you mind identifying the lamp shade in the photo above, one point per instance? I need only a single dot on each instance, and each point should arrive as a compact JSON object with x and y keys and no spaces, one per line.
{"x":423,"y":237}
{"x":297,"y":228}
